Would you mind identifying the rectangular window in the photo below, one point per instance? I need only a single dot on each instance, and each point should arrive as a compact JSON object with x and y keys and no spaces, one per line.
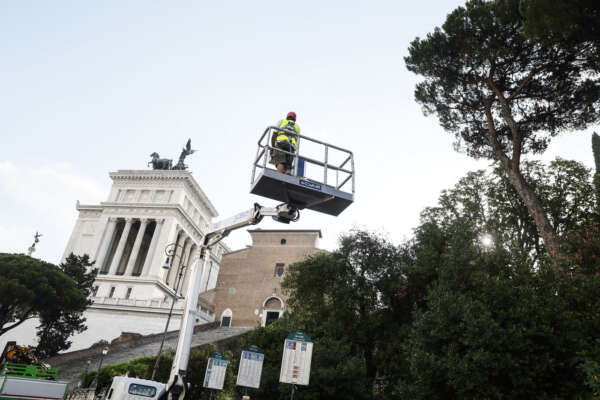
{"x":142,"y":390}
{"x":128,"y":293}
{"x":279,"y":269}
{"x":272,"y":316}
{"x":112,"y":292}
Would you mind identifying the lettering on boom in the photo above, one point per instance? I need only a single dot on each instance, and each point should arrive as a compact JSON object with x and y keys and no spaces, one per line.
{"x":310,"y":185}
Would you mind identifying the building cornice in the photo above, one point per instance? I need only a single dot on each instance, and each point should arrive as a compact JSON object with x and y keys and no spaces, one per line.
{"x":88,"y":207}
{"x":167,"y":176}
{"x":135,"y":280}
{"x":135,"y":309}
{"x":318,"y":231}
{"x":237,"y":251}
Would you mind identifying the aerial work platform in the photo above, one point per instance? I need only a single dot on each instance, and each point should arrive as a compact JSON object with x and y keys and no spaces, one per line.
{"x":322,"y":177}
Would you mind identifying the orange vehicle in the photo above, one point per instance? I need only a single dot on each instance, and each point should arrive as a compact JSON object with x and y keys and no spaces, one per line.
{"x":18,"y":354}
{"x":22,"y":376}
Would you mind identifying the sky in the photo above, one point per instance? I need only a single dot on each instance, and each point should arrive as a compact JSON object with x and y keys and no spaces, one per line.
{"x":92,"y":87}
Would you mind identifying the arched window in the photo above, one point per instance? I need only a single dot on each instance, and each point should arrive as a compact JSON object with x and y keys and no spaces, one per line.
{"x":273,"y":303}
{"x":226,"y":317}
{"x":272,"y":310}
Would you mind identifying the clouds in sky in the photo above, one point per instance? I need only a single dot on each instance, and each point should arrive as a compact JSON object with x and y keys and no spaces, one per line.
{"x":101,"y":85}
{"x":41,"y":198}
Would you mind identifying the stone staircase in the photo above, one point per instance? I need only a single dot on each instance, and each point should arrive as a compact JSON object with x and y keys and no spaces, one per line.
{"x":72,"y":364}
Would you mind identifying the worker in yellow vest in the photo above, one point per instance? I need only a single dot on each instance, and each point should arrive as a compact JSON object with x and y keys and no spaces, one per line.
{"x":285,"y":141}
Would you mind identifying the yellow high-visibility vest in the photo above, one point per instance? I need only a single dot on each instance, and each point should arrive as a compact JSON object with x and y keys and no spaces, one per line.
{"x":290,"y":126}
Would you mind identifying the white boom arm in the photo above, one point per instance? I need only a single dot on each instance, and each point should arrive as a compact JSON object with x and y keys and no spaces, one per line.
{"x":177,"y":385}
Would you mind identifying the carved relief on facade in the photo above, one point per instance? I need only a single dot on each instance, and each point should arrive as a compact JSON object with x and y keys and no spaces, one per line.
{"x":88,"y":228}
{"x":145,"y":196}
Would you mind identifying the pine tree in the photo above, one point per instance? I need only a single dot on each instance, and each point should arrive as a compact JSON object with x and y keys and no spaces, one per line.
{"x":503,"y":95}
{"x":58,"y":325}
{"x":596,"y":151}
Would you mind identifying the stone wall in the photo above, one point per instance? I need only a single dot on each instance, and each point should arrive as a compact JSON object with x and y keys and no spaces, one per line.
{"x":131,"y":346}
{"x":249,"y":284}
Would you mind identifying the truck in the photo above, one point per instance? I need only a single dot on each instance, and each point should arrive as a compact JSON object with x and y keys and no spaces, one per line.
{"x":23,"y":376}
{"x":27,"y":382}
{"x":126,"y":388}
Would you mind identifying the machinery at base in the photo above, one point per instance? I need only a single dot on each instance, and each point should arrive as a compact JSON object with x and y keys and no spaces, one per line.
{"x":124,"y":388}
{"x":22,"y":377}
{"x":15,"y":353}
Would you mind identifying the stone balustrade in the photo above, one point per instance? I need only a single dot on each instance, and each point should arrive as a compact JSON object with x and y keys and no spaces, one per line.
{"x":149,"y":303}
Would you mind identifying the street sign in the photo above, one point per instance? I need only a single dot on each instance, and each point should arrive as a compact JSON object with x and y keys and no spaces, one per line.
{"x":297,"y":354}
{"x":251,"y":364}
{"x":215,"y":372}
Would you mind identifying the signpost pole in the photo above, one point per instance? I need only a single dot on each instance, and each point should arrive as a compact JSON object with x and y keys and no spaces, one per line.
{"x":292,"y":396}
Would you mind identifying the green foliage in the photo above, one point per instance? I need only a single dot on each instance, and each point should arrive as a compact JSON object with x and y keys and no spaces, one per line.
{"x":565,"y":20}
{"x":590,"y":367}
{"x":581,"y":250}
{"x":499,"y":321}
{"x":337,"y":368}
{"x":479,"y":49}
{"x":80,"y":269}
{"x":443,"y":315}
{"x":487,"y":202}
{"x":349,"y":292}
{"x":498,"y":340}
{"x":30,"y":287}
{"x":596,"y":151}
{"x":142,"y":368}
{"x":57,"y":325}
{"x":502,"y":94}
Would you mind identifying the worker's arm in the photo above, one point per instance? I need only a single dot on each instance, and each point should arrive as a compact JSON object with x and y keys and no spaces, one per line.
{"x":275,"y":133}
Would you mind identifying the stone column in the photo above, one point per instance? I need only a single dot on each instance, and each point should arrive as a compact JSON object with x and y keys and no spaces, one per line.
{"x":136,"y":247}
{"x":119,"y":252}
{"x":105,"y":244}
{"x":152,"y":248}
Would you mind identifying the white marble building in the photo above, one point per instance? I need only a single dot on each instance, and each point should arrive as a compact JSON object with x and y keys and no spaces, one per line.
{"x":127,"y":235}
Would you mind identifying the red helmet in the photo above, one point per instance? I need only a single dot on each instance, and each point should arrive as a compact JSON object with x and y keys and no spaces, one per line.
{"x":291,"y":115}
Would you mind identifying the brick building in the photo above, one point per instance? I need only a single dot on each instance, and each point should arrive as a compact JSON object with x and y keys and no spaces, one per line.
{"x":248,"y":290}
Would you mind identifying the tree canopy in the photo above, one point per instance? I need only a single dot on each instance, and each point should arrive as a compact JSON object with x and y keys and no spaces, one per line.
{"x":444,"y":315}
{"x":33,"y":288}
{"x":502,"y":94}
{"x":57,"y":325}
{"x":143,"y":367}
{"x":565,"y":20}
{"x":346,"y":294}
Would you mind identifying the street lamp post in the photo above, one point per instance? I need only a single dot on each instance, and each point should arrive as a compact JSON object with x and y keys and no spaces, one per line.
{"x":170,"y":250}
{"x":87,"y":366}
{"x":96,"y":378}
